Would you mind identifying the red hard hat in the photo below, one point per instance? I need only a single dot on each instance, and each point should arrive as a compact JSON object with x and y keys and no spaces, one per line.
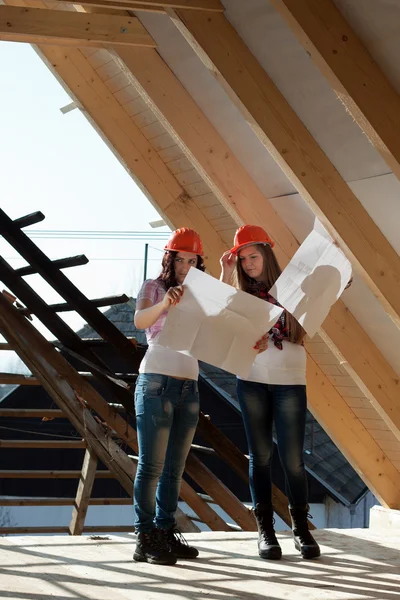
{"x":248,"y":235}
{"x":185,"y":240}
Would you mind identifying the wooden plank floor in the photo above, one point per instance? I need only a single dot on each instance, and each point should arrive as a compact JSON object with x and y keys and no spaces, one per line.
{"x":358,"y":563}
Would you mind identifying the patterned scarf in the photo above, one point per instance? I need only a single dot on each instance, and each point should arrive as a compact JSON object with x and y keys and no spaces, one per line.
{"x":279,"y":331}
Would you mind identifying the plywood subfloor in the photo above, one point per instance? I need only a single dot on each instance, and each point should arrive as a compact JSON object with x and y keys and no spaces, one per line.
{"x":358,"y":563}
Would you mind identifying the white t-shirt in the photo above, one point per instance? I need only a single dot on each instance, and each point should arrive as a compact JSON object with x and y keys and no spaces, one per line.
{"x":164,"y":361}
{"x":280,"y":367}
{"x":159,"y":359}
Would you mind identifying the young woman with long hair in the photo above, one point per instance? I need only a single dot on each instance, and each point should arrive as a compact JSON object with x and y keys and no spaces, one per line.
{"x":274,"y":393}
{"x":167,"y":408}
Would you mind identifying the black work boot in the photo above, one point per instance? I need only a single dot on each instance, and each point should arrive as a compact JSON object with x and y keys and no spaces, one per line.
{"x":177,"y":544}
{"x":151,"y":547}
{"x":268,"y":546}
{"x":303,"y":540}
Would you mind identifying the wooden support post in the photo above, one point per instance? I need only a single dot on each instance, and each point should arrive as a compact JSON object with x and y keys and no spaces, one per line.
{"x":43,"y":26}
{"x":84,"y":492}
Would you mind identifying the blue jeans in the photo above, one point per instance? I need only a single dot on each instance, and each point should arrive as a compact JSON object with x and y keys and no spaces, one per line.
{"x":286,"y":406}
{"x":167,"y":411}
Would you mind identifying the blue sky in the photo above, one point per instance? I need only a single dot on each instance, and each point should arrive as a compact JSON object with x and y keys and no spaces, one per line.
{"x":58,"y":164}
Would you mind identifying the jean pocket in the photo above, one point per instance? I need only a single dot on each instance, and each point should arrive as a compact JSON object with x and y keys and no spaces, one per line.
{"x":153,"y":385}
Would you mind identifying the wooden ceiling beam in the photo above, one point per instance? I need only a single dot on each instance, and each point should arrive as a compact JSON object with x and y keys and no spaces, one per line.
{"x":231,"y":184}
{"x":291,"y":145}
{"x":43,"y":26}
{"x":197,"y":5}
{"x":350,"y":69}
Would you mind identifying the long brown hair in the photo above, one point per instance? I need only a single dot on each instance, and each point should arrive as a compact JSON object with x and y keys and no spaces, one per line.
{"x":167,"y":275}
{"x":271,"y":272}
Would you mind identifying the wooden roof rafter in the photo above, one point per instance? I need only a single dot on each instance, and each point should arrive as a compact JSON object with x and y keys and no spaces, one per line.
{"x":355,"y":77}
{"x":222,"y":51}
{"x":211,"y":156}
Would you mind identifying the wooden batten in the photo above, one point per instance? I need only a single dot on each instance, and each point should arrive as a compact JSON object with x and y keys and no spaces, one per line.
{"x":43,"y":444}
{"x":63,"y":501}
{"x":62,"y":263}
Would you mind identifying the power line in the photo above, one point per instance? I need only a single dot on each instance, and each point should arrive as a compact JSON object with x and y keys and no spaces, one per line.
{"x":91,"y":259}
{"x":97,"y":234}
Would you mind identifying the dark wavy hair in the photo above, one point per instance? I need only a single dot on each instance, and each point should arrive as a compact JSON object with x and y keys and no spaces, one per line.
{"x":167,"y":275}
{"x":271,"y":272}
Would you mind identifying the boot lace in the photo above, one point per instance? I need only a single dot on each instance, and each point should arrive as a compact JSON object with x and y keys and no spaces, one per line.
{"x":302,"y":531}
{"x":267,"y":531}
{"x":174,"y":537}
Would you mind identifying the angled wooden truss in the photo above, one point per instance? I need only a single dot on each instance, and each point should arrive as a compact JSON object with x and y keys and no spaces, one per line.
{"x":82,"y":403}
{"x":346,"y":63}
{"x":283,"y":134}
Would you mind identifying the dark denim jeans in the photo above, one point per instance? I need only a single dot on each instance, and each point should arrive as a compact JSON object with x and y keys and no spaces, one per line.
{"x":167,"y":411}
{"x":286,"y":406}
